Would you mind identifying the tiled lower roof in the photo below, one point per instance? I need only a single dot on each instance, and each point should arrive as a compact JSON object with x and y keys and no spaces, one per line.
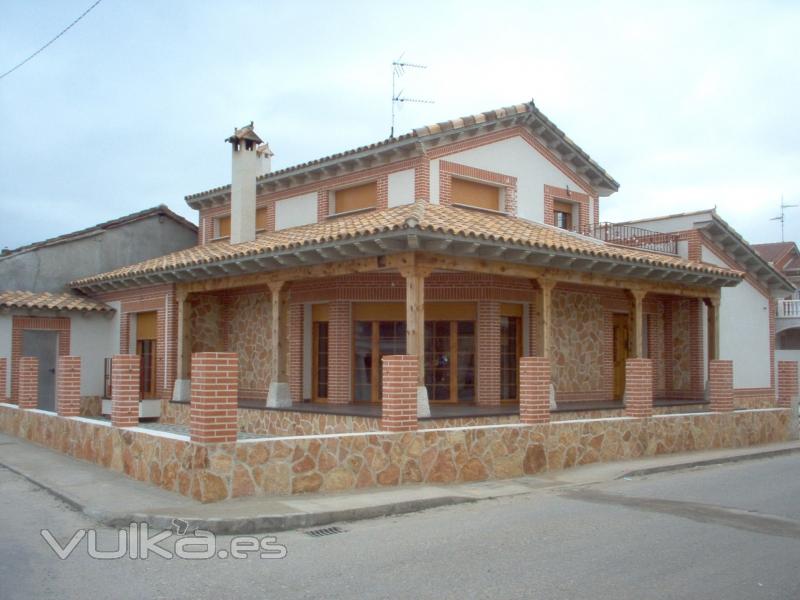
{"x":51,"y":301}
{"x":463,"y":223}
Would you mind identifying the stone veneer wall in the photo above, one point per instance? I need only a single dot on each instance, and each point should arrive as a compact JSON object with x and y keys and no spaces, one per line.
{"x":90,"y":406}
{"x":206,"y":323}
{"x":336,"y":462}
{"x":681,"y":346}
{"x":248,"y":331}
{"x":577,"y":342}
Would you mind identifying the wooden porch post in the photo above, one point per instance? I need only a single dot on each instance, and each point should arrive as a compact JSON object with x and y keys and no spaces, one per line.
{"x":637,"y":322}
{"x":279,"y":395}
{"x":182,"y":389}
{"x":415,"y":330}
{"x":712,"y":304}
{"x":545,"y":310}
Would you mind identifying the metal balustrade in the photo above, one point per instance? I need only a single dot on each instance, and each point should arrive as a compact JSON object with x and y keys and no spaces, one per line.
{"x":636,"y":237}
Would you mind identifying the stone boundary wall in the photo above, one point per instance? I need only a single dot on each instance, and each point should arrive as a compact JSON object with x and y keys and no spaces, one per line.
{"x":337,"y":462}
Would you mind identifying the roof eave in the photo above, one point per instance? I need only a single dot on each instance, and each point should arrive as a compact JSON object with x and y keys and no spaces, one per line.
{"x":413,"y":238}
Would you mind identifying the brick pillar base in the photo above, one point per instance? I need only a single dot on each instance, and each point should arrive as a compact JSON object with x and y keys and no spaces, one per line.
{"x":3,"y":380}
{"x":215,"y":397}
{"x":399,"y":405}
{"x":68,"y":386}
{"x":720,"y":385}
{"x":787,"y":382}
{"x":534,"y":390}
{"x":28,"y":382}
{"x":125,"y":390}
{"x":639,"y":387}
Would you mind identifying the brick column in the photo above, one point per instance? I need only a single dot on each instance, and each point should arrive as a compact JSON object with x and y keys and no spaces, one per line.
{"x":125,"y":390}
{"x":534,"y":390}
{"x":720,"y":385}
{"x":399,"y":408}
{"x":787,"y":382}
{"x":215,"y":396}
{"x":28,"y":372}
{"x":3,"y":380}
{"x":339,"y":349}
{"x":639,"y":387}
{"x":296,"y":352}
{"x":68,"y":386}
{"x":696,"y":349}
{"x":488,"y":388}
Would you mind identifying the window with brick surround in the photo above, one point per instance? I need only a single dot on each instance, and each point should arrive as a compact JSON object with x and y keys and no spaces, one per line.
{"x":565,"y":214}
{"x":222,"y":225}
{"x":479,"y":195}
{"x":354,"y":198}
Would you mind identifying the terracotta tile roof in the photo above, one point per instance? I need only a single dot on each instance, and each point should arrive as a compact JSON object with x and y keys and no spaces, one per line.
{"x":431,"y":130}
{"x":50,"y":301}
{"x":460,"y":222}
{"x":773,"y":251}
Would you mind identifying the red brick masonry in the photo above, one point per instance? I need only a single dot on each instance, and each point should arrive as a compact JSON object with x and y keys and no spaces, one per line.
{"x":787,"y":382}
{"x":639,"y":387}
{"x":720,"y":385}
{"x":125,"y":390}
{"x":3,"y":379}
{"x":215,"y":394}
{"x":28,"y":382}
{"x":399,"y":408}
{"x":68,"y":386}
{"x":534,"y":390}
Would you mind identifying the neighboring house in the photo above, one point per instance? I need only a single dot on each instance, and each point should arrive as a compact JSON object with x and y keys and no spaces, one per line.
{"x":747,"y":311}
{"x":41,"y":316}
{"x":463,"y":243}
{"x":785,"y":258}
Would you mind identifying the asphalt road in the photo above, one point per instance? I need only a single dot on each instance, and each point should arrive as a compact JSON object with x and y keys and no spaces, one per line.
{"x":730,"y":531}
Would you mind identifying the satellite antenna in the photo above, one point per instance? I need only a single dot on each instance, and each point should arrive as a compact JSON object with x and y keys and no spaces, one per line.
{"x":398,"y":70}
{"x":782,"y":218}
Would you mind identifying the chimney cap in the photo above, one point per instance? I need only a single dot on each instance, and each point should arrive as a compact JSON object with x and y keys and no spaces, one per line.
{"x":243,"y":134}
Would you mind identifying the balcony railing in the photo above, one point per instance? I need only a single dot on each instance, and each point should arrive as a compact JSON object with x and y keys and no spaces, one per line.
{"x":788,"y":309}
{"x":636,"y":237}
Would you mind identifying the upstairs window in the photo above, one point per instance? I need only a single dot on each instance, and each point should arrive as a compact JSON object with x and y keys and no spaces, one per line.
{"x":222,"y":226}
{"x":563,"y":215}
{"x":359,"y":197}
{"x":479,"y":195}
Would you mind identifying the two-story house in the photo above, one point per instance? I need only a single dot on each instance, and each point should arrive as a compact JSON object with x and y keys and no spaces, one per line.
{"x":469,"y":243}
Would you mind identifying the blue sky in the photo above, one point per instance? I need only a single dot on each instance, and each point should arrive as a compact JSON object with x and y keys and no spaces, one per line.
{"x":687,"y":105}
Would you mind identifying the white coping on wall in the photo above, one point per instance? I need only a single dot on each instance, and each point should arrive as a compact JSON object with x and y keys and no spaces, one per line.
{"x":8,"y":405}
{"x":91,"y":421}
{"x":159,"y":433}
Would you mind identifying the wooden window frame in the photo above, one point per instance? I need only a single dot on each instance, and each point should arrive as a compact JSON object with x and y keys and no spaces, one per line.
{"x":315,"y":326}
{"x":333,"y":205}
{"x":568,"y":208}
{"x":501,"y":193}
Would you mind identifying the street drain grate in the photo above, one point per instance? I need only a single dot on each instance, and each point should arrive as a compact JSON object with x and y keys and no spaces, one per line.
{"x":324,"y":531}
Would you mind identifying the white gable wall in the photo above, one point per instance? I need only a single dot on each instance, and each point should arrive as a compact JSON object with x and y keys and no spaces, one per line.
{"x":744,"y":331}
{"x":515,"y":157}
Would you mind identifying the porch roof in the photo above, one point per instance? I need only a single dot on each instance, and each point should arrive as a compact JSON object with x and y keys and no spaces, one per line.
{"x":421,"y":226}
{"x":51,"y":301}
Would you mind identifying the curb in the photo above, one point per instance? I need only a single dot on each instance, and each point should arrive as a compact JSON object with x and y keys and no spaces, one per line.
{"x":710,"y":462}
{"x":267,"y":523}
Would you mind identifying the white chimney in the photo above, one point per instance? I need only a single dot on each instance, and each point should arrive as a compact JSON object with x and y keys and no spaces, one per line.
{"x":250,"y":157}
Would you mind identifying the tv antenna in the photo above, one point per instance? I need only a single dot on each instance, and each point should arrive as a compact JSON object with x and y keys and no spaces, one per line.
{"x":782,"y":218}
{"x":398,"y":70}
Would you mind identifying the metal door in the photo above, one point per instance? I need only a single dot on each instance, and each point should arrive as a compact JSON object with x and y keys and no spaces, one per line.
{"x":44,"y":346}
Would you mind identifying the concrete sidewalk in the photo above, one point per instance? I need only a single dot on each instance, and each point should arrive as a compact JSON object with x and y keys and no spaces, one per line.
{"x":115,"y":500}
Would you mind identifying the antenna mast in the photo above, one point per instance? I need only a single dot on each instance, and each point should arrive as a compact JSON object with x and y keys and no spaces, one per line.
{"x":782,"y":218}
{"x":398,"y":70}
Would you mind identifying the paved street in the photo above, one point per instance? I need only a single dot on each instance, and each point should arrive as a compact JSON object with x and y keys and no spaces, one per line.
{"x":730,"y":531}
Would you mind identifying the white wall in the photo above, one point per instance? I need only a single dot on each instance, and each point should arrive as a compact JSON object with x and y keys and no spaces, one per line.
{"x":672,"y":224}
{"x":295,"y":211}
{"x":92,"y":338}
{"x":515,"y":157}
{"x":401,"y":187}
{"x":744,"y":331}
{"x":5,"y":349}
